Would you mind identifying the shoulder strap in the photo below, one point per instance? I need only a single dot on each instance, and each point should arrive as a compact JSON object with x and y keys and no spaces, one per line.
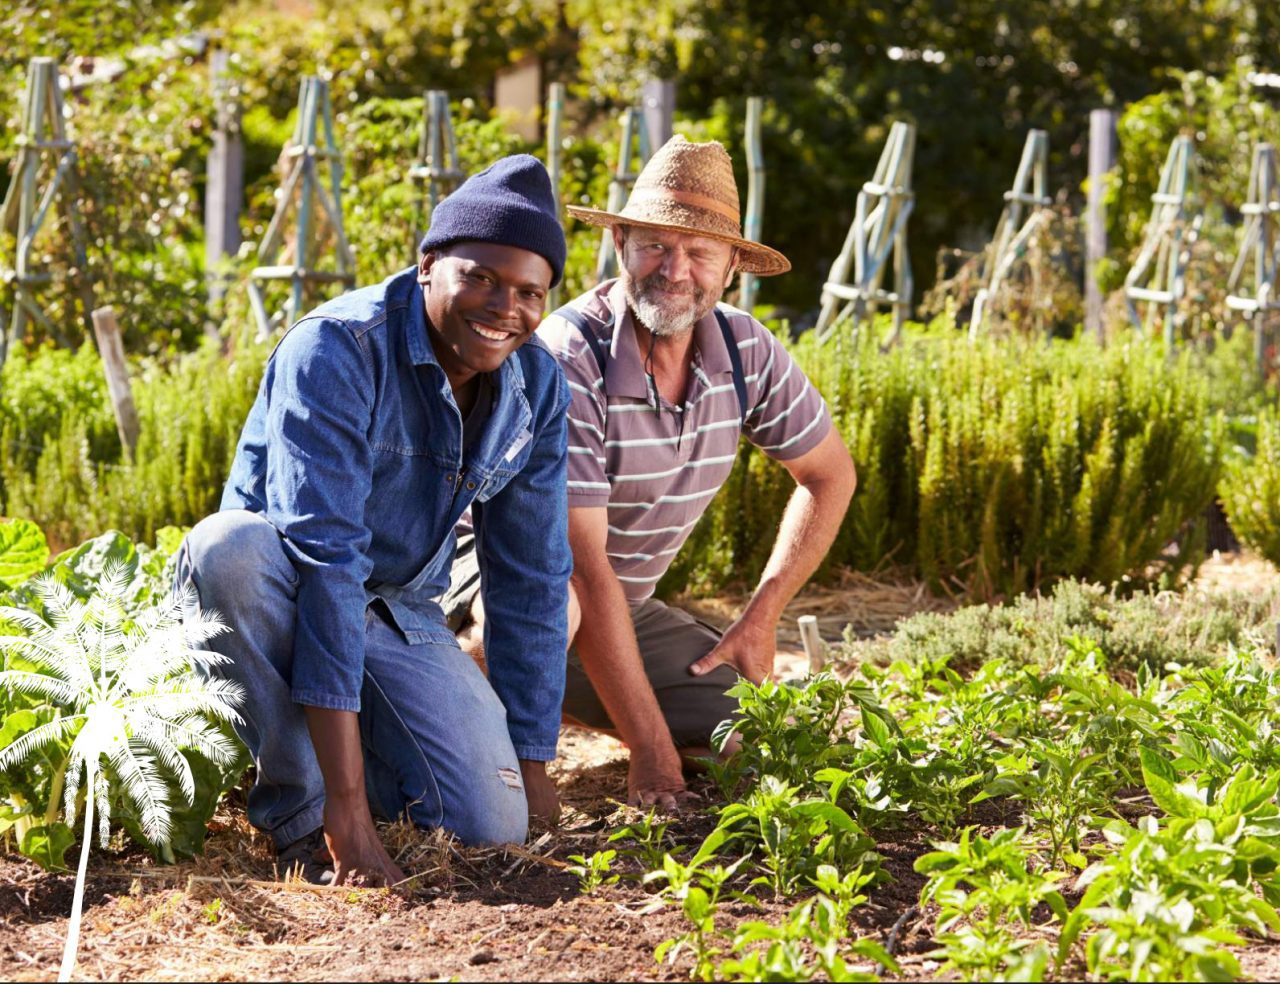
{"x":579,"y":321}
{"x":735,"y":360}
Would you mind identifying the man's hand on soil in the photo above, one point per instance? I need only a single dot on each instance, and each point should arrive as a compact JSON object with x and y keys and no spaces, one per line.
{"x":657,"y":780}
{"x":358,"y":855}
{"x":540,"y":791}
{"x":748,"y":645}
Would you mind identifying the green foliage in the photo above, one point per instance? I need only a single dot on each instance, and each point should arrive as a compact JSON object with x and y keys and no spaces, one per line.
{"x":593,"y":871}
{"x":33,"y":790}
{"x":23,"y":551}
{"x":1146,"y":629}
{"x":67,"y":471}
{"x":996,"y":466}
{"x":1250,"y":490}
{"x":981,"y":885}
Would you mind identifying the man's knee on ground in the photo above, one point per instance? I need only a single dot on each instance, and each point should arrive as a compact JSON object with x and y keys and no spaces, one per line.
{"x":230,"y":548}
{"x":495,"y":811}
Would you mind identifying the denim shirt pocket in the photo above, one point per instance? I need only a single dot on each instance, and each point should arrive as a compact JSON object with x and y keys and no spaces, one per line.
{"x":510,"y":464}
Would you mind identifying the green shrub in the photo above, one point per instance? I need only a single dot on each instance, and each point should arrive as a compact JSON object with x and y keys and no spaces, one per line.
{"x":69,"y":474}
{"x":996,"y":466}
{"x":1152,"y":629}
{"x":1250,"y":490}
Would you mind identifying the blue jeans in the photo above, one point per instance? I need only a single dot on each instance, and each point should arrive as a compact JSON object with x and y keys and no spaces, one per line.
{"x":433,"y":731}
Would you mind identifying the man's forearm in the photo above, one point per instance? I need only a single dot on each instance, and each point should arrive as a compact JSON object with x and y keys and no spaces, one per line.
{"x":606,"y":645}
{"x":335,"y":736}
{"x":809,"y":527}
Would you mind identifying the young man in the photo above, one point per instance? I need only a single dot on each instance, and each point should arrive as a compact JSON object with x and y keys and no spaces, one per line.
{"x":663,"y":382}
{"x":383,"y":415}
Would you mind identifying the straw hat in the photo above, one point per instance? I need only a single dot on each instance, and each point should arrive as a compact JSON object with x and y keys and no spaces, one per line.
{"x":689,"y":187}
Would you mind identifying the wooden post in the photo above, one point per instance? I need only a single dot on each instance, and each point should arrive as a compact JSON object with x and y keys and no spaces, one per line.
{"x":555,"y":112}
{"x":814,"y":647}
{"x":111,"y":349}
{"x":755,"y":196}
{"x":659,"y":101}
{"x":1102,"y":157}
{"x":225,"y":183}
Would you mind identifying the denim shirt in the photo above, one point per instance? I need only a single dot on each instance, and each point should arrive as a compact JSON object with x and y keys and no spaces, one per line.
{"x":353,"y":451}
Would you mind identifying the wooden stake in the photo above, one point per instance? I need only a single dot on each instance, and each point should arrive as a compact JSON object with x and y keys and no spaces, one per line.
{"x":111,"y":348}
{"x":814,"y":647}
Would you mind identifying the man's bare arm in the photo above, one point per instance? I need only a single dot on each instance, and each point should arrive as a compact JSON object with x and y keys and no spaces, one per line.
{"x":606,"y":643}
{"x":348,"y":825}
{"x":825,"y":482}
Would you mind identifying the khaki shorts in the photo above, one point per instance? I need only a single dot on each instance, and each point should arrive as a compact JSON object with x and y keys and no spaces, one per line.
{"x":670,"y":642}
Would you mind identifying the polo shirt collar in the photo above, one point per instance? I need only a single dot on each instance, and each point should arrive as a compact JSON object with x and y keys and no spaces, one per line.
{"x":624,"y":373}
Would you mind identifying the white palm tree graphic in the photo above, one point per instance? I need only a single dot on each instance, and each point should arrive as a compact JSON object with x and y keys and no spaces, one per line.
{"x":130,"y":692}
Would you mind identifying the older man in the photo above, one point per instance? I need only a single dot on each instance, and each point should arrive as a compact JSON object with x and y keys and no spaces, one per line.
{"x":664,"y":380}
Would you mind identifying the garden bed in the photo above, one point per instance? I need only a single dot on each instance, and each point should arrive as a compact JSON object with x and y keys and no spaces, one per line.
{"x":483,"y":915}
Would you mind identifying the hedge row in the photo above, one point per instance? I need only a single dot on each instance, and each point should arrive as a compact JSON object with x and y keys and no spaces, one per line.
{"x":998,"y":466}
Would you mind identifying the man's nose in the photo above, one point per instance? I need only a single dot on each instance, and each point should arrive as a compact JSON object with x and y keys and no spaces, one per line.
{"x":675,"y":264}
{"x":502,"y":302}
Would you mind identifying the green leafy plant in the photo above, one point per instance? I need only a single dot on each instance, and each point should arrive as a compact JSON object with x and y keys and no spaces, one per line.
{"x":128,"y":697}
{"x":982,"y":886}
{"x":593,"y":871}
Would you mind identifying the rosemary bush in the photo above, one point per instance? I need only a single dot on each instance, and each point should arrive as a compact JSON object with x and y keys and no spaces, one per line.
{"x":996,"y":466}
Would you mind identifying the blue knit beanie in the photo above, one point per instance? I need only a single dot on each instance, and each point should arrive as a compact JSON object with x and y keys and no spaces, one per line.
{"x":510,"y":203}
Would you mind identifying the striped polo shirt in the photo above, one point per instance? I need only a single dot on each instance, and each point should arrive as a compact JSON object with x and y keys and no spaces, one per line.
{"x":657,"y":466}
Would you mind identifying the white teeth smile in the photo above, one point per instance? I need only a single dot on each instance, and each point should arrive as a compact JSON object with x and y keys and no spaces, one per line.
{"x":484,"y":331}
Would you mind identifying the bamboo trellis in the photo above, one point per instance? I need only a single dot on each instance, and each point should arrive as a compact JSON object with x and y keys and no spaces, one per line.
{"x":751,"y":222}
{"x":27,"y":205}
{"x":437,"y":170}
{"x":879,"y":231}
{"x":1251,"y":288}
{"x":1013,"y":231}
{"x":635,"y":140}
{"x":312,"y":143}
{"x":1158,"y":275}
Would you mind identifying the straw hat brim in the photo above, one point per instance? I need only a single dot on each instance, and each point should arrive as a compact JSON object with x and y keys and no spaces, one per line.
{"x":753,"y":257}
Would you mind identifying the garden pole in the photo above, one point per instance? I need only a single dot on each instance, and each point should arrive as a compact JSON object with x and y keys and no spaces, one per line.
{"x":751,"y":224}
{"x":1102,"y":157}
{"x":1257,"y":259}
{"x":555,"y":112}
{"x":814,"y":647}
{"x":659,"y":101}
{"x":225,"y":186}
{"x":111,"y":348}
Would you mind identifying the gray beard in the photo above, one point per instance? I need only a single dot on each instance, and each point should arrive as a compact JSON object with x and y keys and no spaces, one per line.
{"x":662,"y":323}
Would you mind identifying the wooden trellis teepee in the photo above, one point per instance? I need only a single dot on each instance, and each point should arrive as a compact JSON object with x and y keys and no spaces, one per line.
{"x":437,"y":170}
{"x":33,"y":194}
{"x":318,"y":208}
{"x":1158,"y":275}
{"x":878,"y":232}
{"x":1013,"y":230}
{"x":1251,"y":288}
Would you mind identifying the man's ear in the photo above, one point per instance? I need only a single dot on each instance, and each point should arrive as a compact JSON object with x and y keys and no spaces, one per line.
{"x":424,"y":267}
{"x":619,"y":238}
{"x":733,"y":268}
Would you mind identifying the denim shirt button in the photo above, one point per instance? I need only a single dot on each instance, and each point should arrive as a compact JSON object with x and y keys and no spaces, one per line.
{"x":471,"y":486}
{"x":448,"y":478}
